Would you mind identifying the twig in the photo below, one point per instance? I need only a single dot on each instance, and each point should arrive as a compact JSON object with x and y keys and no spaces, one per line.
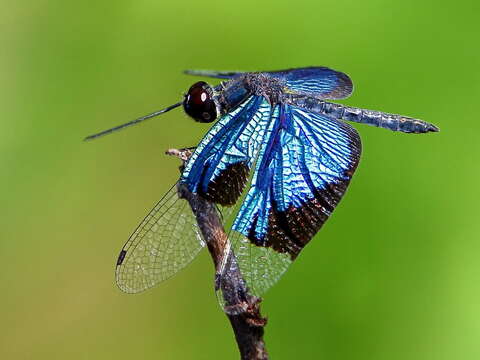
{"x":241,"y":308}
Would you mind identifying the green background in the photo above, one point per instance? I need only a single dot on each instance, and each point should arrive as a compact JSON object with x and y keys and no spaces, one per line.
{"x":394,"y":274}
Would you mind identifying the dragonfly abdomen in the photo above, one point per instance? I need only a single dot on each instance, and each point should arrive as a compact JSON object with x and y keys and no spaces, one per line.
{"x":370,"y":117}
{"x":377,"y":118}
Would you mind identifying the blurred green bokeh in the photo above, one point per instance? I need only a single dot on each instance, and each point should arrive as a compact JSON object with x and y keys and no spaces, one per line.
{"x":392,"y":275}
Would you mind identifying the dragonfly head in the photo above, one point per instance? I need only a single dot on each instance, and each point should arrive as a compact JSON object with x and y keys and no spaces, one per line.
{"x":199,"y":103}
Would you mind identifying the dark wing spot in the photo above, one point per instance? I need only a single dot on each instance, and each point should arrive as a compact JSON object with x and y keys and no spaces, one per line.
{"x":227,"y":187}
{"x":342,"y":89}
{"x":121,"y":257}
{"x":290,"y":230}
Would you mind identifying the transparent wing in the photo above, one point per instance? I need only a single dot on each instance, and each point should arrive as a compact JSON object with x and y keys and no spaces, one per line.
{"x":260,"y":268}
{"x":320,"y":82}
{"x":165,"y":242}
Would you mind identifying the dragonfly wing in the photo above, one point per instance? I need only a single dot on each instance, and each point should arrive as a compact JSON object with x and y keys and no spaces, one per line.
{"x":319,"y":82}
{"x":166,"y":241}
{"x":302,"y":172}
{"x":219,"y":168}
{"x":168,"y":238}
{"x":213,"y":74}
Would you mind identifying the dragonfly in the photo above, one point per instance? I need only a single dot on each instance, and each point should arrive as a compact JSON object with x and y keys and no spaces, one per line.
{"x":280,"y":153}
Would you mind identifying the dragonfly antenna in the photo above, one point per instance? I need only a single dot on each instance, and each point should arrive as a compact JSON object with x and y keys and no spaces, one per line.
{"x":133,"y":122}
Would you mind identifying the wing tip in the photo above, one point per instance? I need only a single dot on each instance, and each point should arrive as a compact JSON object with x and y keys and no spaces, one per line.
{"x":212,"y":73}
{"x":121,"y":257}
{"x":190,"y":72}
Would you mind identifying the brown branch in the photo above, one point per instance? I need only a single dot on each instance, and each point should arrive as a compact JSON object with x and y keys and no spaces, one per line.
{"x":241,"y":308}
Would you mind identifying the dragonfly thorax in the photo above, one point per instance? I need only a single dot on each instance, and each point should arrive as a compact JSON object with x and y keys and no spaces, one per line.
{"x":268,"y":87}
{"x":199,"y":103}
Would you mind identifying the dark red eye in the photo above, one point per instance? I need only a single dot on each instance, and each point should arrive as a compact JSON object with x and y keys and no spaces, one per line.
{"x":199,"y":104}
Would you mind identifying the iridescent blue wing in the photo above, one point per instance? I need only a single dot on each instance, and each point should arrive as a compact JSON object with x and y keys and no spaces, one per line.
{"x":319,"y":82}
{"x":165,"y":242}
{"x":213,"y":74}
{"x":219,"y":168}
{"x":303,"y":169}
{"x":168,"y":238}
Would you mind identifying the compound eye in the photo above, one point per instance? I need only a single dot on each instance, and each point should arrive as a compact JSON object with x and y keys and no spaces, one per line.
{"x":199,"y":104}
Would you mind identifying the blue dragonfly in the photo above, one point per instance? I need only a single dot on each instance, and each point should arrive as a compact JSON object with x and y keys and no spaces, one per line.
{"x":279,"y":153}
